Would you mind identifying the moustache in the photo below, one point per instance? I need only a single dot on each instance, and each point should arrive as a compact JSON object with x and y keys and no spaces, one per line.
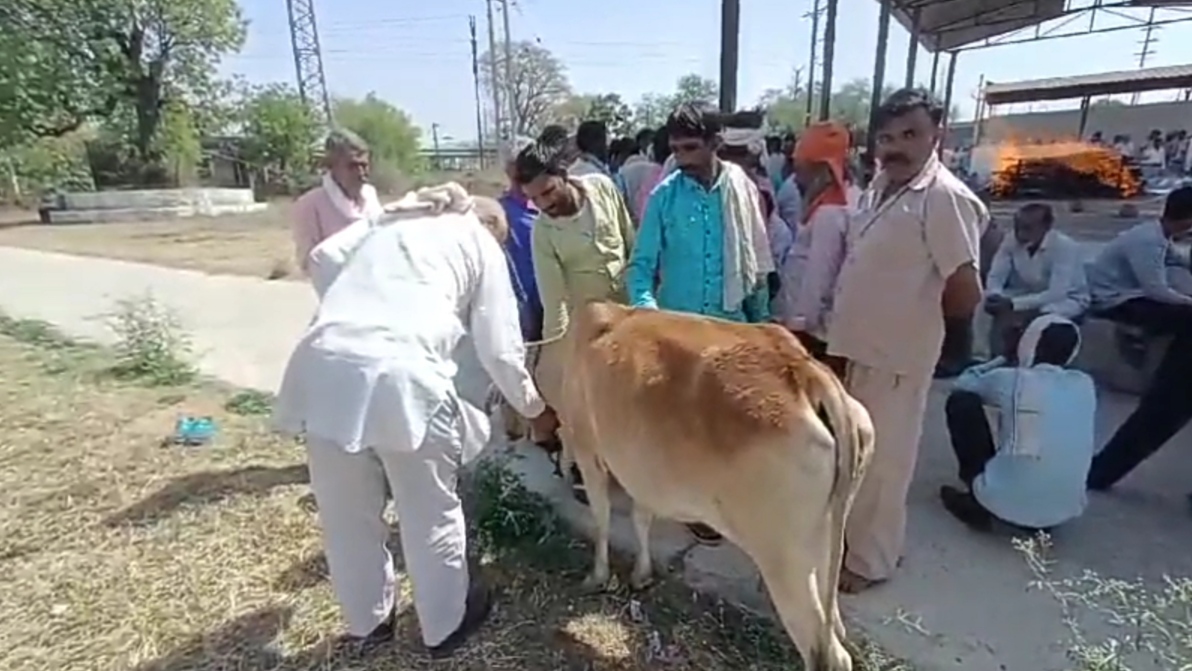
{"x":895,"y":158}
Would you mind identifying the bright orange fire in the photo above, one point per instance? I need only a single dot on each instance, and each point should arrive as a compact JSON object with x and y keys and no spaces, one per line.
{"x":1088,"y":163}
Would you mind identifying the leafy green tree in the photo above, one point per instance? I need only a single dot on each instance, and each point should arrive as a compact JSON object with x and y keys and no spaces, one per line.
{"x":281,"y":132}
{"x":606,"y":107}
{"x":69,"y":61}
{"x":390,"y":133}
{"x":693,"y":88}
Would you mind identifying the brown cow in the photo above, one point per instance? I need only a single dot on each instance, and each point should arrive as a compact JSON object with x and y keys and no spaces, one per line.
{"x":703,"y":420}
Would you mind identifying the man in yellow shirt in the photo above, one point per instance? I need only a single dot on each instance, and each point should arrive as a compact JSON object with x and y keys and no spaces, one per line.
{"x":581,"y":242}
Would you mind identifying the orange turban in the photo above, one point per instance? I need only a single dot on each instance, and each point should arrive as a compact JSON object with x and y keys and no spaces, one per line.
{"x":825,"y":142}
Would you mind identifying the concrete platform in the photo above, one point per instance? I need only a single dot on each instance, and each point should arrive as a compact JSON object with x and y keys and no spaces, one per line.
{"x":152,"y":205}
{"x":65,"y":217}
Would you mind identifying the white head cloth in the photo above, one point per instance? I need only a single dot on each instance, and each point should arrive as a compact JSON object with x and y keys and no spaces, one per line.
{"x":752,"y":139}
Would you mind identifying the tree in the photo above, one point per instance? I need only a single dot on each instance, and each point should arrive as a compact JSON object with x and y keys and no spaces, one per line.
{"x":652,"y":109}
{"x":280,"y":132}
{"x":101,"y":57}
{"x":693,"y":88}
{"x":535,"y":80}
{"x":606,"y":107}
{"x":787,"y":108}
{"x":391,"y":135}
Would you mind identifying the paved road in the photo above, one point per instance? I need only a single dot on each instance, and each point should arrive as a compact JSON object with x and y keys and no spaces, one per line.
{"x":961,"y":601}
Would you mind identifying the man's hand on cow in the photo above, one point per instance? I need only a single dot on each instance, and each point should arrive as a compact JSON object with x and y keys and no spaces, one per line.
{"x":546,"y":423}
{"x":998,"y":304}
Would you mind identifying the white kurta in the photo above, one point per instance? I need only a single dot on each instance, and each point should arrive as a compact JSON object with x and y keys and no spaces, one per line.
{"x":387,"y":386}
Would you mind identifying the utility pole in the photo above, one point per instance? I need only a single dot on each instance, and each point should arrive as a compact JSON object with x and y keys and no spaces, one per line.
{"x":814,"y":15}
{"x":434,"y":134}
{"x":829,"y":61}
{"x":730,"y":34}
{"x":308,"y":58}
{"x":495,"y":72}
{"x":510,"y":98}
{"x":1147,"y":40}
{"x":476,"y":86}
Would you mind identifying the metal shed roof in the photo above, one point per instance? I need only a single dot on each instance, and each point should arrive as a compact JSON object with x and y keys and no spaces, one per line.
{"x":945,"y":25}
{"x":1107,"y":83}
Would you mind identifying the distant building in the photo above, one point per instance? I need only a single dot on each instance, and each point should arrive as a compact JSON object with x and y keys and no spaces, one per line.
{"x":1110,"y":119}
{"x":458,"y":156}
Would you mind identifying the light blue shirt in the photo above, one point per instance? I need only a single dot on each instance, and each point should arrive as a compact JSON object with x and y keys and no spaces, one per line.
{"x":681,"y":238}
{"x":1134,"y":265}
{"x":1044,"y":441}
{"x":790,"y":203}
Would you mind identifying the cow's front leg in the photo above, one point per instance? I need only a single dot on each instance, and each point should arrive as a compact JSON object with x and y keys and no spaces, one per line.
{"x":596,"y":483}
{"x":643,"y":568}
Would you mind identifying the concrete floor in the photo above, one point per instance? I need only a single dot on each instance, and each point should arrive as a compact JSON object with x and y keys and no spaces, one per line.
{"x":960,"y":601}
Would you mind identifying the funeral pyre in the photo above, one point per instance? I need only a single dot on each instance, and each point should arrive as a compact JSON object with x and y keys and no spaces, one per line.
{"x":1061,"y":170}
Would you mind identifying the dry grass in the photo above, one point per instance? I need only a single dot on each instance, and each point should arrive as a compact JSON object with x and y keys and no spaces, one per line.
{"x":120,"y":552}
{"x":257,"y":245}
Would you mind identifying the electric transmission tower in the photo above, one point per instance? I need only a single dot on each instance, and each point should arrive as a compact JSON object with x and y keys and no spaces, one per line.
{"x":1148,"y":40}
{"x":308,"y":58}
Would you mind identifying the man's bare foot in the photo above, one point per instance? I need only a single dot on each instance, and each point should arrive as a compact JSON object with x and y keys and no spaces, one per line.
{"x":852,"y":583}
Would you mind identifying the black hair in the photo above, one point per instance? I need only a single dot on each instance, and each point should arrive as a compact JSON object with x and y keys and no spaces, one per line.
{"x":660,"y":147}
{"x":553,"y":134}
{"x":592,"y":137}
{"x":1056,"y":344}
{"x":692,"y":121}
{"x":1042,"y":210}
{"x":905,"y":101}
{"x":544,"y":157}
{"x":773,"y":144}
{"x":1179,"y":205}
{"x":622,"y":148}
{"x":643,"y":138}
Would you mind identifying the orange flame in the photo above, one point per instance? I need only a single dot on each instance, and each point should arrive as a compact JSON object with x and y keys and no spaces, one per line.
{"x":1100,"y":163}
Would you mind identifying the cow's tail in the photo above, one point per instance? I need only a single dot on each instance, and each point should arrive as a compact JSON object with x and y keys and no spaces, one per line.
{"x":853,"y":443}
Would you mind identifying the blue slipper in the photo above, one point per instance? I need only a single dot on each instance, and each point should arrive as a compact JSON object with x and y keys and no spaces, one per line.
{"x":194,"y":431}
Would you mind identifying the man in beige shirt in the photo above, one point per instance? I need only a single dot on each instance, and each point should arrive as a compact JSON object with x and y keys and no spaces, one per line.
{"x":912,"y":261}
{"x":580,"y":242}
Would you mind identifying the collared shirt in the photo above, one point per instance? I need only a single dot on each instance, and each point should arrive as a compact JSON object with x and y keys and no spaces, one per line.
{"x":886,"y":311}
{"x":681,"y":243}
{"x":587,"y":164}
{"x":366,"y":374}
{"x":315,"y":218}
{"x":1045,"y":441}
{"x":811,"y":269}
{"x":582,"y":258}
{"x":636,"y":171}
{"x":521,"y":214}
{"x":1134,"y":265}
{"x":1054,"y":272}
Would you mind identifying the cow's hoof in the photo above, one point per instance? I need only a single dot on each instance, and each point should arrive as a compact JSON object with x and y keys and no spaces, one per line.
{"x":641,"y":581}
{"x":594,"y":584}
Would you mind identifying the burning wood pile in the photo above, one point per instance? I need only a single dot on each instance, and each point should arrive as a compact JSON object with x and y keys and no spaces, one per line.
{"x":1063,"y":170}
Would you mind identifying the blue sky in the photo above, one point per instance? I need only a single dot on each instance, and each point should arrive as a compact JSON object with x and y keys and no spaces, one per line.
{"x":419,"y":59}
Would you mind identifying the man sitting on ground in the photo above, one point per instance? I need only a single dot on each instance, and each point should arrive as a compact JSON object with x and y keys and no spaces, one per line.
{"x":1033,"y":476}
{"x":1036,"y":271}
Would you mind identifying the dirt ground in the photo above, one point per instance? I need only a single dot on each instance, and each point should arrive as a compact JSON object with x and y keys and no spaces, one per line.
{"x":121,"y":551}
{"x":257,"y":245}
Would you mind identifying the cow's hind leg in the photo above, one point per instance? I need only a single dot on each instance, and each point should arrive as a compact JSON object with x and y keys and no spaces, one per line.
{"x":791,"y":578}
{"x":643,"y":568}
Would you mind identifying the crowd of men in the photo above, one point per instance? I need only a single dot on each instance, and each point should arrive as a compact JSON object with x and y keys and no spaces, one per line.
{"x":707,"y":216}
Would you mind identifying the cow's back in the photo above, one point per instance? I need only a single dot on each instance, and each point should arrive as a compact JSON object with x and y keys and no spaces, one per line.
{"x":672,"y":398}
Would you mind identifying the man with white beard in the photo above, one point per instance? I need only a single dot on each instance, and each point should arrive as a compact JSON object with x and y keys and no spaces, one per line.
{"x":376,"y":386}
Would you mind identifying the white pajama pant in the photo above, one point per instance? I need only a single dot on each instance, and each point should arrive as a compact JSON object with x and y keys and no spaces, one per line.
{"x":876,"y":527}
{"x":352,"y":489}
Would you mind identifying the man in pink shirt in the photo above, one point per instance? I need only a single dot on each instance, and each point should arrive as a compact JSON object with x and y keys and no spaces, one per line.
{"x":344,"y":197}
